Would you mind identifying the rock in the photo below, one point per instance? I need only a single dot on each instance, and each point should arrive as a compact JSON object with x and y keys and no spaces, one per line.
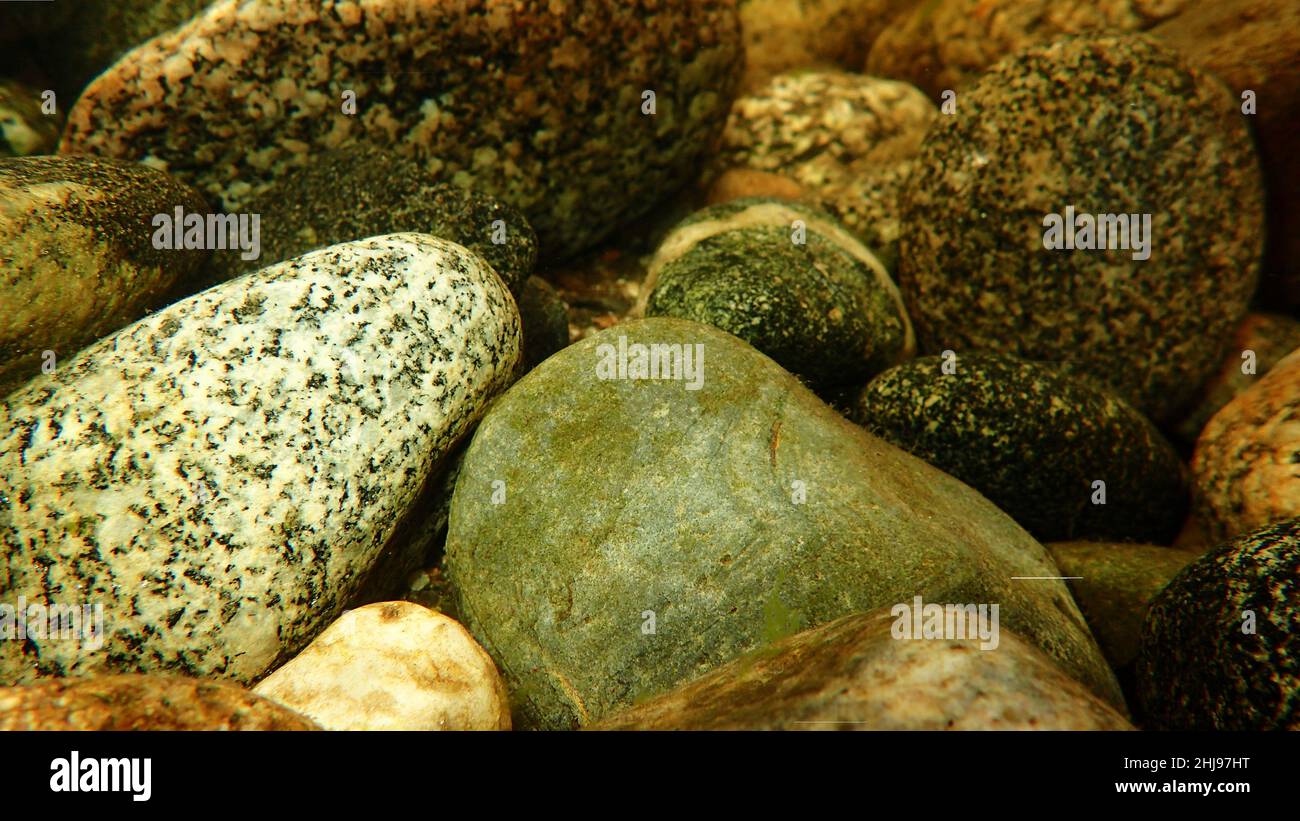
{"x":1035,"y":441}
{"x":76,"y":236}
{"x":102,"y":31}
{"x":362,"y":192}
{"x":947,"y":44}
{"x":236,"y":462}
{"x":393,"y":666}
{"x":140,"y":702}
{"x":1218,"y":651}
{"x":655,"y":532}
{"x":1255,"y":45}
{"x":1087,"y":126}
{"x":854,"y":674}
{"x":1259,"y":343}
{"x":781,"y":35}
{"x":1117,"y":582}
{"x":545,"y":319}
{"x":537,"y":103}
{"x":837,"y":136}
{"x":1244,"y":464}
{"x":787,"y":280}
{"x":24,"y":128}
{"x":738,"y":183}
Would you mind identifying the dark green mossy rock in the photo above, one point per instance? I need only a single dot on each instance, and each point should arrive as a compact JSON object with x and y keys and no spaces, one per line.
{"x":1034,"y":440}
{"x":361,"y":192}
{"x":824,"y":307}
{"x":545,"y":320}
{"x":724,"y":517}
{"x":1219,"y":648}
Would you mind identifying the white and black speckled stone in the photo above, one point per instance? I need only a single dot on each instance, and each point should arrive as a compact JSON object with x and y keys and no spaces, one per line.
{"x":536,"y":102}
{"x":222,"y":474}
{"x":1108,"y":125}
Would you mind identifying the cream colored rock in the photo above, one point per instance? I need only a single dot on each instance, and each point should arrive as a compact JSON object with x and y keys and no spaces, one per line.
{"x":393,"y":666}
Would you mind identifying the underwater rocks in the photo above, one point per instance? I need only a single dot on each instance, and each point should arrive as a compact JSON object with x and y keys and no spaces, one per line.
{"x":839,"y":137}
{"x":225,"y":472}
{"x":945,"y":44}
{"x":612,"y":538}
{"x":24,"y":128}
{"x":79,"y":261}
{"x":545,"y":319}
{"x":142,"y":702}
{"x":1116,"y":582}
{"x":856,"y":673}
{"x":363,"y":192}
{"x":1113,"y":126}
{"x":1244,"y":464}
{"x":1064,"y":457}
{"x":1218,"y":649}
{"x":393,"y":666}
{"x":789,"y":281}
{"x":543,"y":105}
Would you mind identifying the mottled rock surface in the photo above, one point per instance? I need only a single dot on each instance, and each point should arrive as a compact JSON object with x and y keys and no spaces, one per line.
{"x":140,"y":702}
{"x":1218,"y":649}
{"x":1106,"y":125}
{"x":853,"y":674}
{"x":653,"y":533}
{"x":788,"y":280}
{"x":224,"y":473}
{"x":537,"y":103}
{"x":1035,"y":441}
{"x":361,"y":192}
{"x":1117,"y":583}
{"x":1244,"y":467}
{"x":76,"y":241}
{"x":393,"y":666}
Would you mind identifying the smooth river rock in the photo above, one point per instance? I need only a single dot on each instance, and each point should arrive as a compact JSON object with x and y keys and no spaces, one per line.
{"x":76,"y":240}
{"x":855,"y":674}
{"x":541,"y":104}
{"x":223,"y":474}
{"x":612,"y":538}
{"x":142,"y":702}
{"x":393,"y":666}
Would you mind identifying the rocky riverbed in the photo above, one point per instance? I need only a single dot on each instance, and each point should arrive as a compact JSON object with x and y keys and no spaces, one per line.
{"x":632,"y":364}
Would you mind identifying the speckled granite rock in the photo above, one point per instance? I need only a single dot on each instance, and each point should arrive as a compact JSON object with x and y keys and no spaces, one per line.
{"x":224,"y":473}
{"x":781,"y":35}
{"x":361,"y":192}
{"x":535,"y":102}
{"x":1244,"y":465}
{"x":141,"y":702}
{"x":24,"y":129}
{"x":1034,"y":440}
{"x":393,"y":666}
{"x":655,"y":532}
{"x":824,"y":307}
{"x":834,"y":134}
{"x":545,"y":318}
{"x":1118,"y":582}
{"x":102,"y":31}
{"x":1268,"y":338}
{"x":1107,"y":125}
{"x":853,"y":674}
{"x":1255,"y":44}
{"x":76,"y":239}
{"x":1218,"y":650}
{"x":946,"y":44}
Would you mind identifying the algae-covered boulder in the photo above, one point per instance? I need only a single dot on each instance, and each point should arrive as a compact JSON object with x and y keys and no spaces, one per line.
{"x":613,"y":534}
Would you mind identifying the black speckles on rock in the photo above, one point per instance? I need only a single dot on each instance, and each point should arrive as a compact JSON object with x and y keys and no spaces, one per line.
{"x":1034,"y":441}
{"x":1218,"y":648}
{"x":152,"y":453}
{"x":1108,"y":125}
